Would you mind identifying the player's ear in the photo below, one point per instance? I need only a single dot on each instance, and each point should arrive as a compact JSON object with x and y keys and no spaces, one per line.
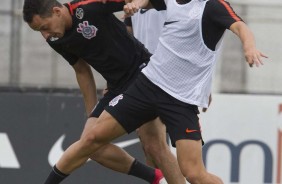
{"x":57,"y":11}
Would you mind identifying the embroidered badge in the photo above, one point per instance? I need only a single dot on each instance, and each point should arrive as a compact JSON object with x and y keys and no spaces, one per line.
{"x":114,"y":101}
{"x":79,"y":13}
{"x":88,"y":31}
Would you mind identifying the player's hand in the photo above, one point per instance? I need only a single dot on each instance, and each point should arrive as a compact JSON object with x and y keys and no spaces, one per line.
{"x":210,"y":100}
{"x":254,"y":57}
{"x":130,"y":8}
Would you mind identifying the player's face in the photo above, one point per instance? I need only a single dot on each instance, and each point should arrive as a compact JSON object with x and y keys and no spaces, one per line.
{"x":53,"y":26}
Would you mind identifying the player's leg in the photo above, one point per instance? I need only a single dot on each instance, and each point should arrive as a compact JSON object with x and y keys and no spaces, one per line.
{"x":153,"y":139}
{"x":182,"y":122}
{"x":148,"y":159}
{"x":105,"y":130}
{"x":112,"y":156}
{"x":135,"y":107}
{"x":117,"y":159}
{"x":79,"y":152}
{"x":191,"y":162}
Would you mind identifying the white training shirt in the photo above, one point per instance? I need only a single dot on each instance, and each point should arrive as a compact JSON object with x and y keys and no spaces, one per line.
{"x":182,"y":64}
{"x":147,"y":25}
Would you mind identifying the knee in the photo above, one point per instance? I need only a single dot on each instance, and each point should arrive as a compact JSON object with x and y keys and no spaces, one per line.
{"x":88,"y":140}
{"x":93,"y":146}
{"x":192,"y":177}
{"x":91,"y":140}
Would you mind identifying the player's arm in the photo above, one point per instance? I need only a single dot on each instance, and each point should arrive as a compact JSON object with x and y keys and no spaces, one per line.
{"x":223,"y":15}
{"x":132,"y":6}
{"x":114,"y":6}
{"x":84,"y":76}
{"x":86,"y":83}
{"x":210,"y":100}
{"x":252,"y":55}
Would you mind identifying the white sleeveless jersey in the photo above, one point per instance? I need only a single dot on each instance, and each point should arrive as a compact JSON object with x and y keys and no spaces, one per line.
{"x":183,"y":65}
{"x":147,"y":25}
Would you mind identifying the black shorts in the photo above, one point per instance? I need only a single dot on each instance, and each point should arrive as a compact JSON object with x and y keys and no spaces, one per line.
{"x":144,"y":101}
{"x":102,"y":103}
{"x":112,"y":93}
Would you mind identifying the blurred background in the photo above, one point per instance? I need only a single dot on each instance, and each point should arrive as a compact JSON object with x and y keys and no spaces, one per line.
{"x":40,"y":104}
{"x":27,"y":60}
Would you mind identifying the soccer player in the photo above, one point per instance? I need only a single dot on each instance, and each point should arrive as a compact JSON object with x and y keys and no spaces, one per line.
{"x":146,"y":25}
{"x":174,"y":84}
{"x":86,"y":33}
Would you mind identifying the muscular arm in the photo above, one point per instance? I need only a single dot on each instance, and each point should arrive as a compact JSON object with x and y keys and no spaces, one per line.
{"x":86,"y":83}
{"x":252,"y":55}
{"x":218,"y":16}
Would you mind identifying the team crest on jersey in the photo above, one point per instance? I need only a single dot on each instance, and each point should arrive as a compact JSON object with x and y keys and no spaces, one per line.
{"x":115,"y":101}
{"x":88,"y":31}
{"x":79,"y":13}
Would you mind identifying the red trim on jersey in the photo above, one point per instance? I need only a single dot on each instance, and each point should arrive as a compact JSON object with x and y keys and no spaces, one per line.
{"x":230,"y":11}
{"x":75,"y":5}
{"x":71,"y":11}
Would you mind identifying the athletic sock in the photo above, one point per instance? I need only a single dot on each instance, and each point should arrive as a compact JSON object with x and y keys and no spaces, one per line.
{"x":142,"y":171}
{"x":55,"y":176}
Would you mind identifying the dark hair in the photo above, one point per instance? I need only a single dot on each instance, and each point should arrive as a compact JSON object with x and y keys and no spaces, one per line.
{"x":43,"y":8}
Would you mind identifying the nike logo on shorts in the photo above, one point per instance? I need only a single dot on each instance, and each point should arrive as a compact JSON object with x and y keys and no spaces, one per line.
{"x":190,"y":131}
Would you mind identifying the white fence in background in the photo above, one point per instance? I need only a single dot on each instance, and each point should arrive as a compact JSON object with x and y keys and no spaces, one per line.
{"x":26,"y":60}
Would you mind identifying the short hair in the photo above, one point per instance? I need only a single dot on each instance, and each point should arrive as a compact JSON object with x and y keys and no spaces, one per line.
{"x":43,"y":8}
